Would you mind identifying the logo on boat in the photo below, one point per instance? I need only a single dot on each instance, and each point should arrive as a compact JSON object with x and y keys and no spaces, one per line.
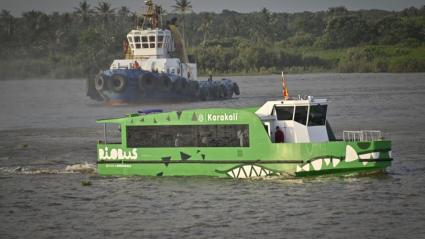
{"x":218,"y":117}
{"x":116,"y":154}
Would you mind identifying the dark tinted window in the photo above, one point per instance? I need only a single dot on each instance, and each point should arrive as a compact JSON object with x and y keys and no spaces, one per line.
{"x":284,"y":112}
{"x":301,"y":114}
{"x":317,"y":115}
{"x":188,"y":136}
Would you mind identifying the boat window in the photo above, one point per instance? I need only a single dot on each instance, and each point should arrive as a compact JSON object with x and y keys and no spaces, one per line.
{"x":152,"y":38}
{"x":317,"y":115}
{"x":144,"y":39}
{"x":301,"y":114}
{"x":136,"y":39}
{"x":160,"y":41}
{"x":152,"y":45}
{"x":145,"y":45}
{"x":284,"y":112}
{"x":137,"y":45}
{"x":188,"y":136}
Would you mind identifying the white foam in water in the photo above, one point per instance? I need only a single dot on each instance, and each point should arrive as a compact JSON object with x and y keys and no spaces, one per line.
{"x":81,"y":168}
{"x":75,"y":168}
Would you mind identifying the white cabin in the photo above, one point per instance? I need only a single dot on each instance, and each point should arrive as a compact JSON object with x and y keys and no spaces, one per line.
{"x":151,"y":51}
{"x":301,"y":120}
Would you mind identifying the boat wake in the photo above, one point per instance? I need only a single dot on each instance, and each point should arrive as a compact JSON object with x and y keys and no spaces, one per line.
{"x":83,"y":168}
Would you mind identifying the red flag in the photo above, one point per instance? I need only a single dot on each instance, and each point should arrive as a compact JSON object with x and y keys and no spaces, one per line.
{"x":284,"y":87}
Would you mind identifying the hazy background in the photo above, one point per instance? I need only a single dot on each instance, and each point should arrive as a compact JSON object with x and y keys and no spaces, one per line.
{"x":18,"y":6}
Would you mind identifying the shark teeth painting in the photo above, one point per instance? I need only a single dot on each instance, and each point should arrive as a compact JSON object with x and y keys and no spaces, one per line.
{"x":249,"y":171}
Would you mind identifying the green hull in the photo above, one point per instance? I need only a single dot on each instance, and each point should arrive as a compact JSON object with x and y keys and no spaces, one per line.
{"x":304,"y":159}
{"x":258,"y":157}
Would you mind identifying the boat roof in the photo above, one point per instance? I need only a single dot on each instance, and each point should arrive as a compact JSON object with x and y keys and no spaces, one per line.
{"x":207,"y":115}
{"x":185,"y":116}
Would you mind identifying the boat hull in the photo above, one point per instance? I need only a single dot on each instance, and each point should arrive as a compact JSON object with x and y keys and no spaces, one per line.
{"x":135,"y":86}
{"x":292,"y":159}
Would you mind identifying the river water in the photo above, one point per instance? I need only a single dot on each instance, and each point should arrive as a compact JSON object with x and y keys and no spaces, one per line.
{"x":47,"y":128}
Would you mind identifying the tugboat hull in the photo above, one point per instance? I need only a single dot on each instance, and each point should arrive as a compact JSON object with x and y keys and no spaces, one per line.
{"x":135,"y":85}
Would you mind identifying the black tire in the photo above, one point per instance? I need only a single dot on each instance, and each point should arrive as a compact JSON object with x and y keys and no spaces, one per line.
{"x":214,"y":92}
{"x":147,"y":82}
{"x":236,"y":89}
{"x":204,"y":94}
{"x":222,"y":92}
{"x":166,"y":84}
{"x":181,"y":86}
{"x":99,"y":82}
{"x":117,"y":83}
{"x":195,"y":90}
{"x":91,"y":90}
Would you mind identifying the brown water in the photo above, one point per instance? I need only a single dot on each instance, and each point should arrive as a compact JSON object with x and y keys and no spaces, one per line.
{"x":49,"y":125}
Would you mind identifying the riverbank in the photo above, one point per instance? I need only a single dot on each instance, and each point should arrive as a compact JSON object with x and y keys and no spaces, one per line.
{"x":364,"y":59}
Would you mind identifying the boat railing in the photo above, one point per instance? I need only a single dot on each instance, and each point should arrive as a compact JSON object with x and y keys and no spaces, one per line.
{"x":362,"y":135}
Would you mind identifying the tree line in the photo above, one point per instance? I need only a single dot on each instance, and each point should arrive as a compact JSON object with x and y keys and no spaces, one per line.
{"x":85,"y":40}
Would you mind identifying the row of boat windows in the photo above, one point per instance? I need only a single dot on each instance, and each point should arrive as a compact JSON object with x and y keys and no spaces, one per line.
{"x":313,"y":115}
{"x":188,"y":136}
{"x":149,"y":41}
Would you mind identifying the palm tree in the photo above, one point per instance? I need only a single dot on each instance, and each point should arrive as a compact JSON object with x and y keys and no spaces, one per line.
{"x":7,"y":21}
{"x":84,"y":11}
{"x":104,"y":10}
{"x":123,"y":12}
{"x":183,"y":6}
{"x":205,"y":26}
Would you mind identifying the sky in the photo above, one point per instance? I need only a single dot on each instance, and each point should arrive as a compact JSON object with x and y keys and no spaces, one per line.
{"x":16,"y":7}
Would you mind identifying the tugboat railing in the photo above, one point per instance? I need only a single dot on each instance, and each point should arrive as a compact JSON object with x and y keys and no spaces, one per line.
{"x":362,"y":135}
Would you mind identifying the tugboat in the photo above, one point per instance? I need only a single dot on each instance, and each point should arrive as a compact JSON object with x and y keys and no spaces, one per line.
{"x":156,"y":67}
{"x":239,"y":143}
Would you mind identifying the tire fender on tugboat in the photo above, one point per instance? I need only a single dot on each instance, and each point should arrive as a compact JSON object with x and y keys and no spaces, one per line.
{"x":99,"y":82}
{"x":166,"y":83}
{"x":147,"y":81}
{"x":117,"y":83}
{"x":236,"y":88}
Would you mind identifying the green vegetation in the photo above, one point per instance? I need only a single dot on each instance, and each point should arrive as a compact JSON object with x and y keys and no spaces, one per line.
{"x":82,"y":42}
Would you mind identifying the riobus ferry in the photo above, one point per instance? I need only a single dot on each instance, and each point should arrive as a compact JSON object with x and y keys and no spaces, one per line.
{"x":238,"y":143}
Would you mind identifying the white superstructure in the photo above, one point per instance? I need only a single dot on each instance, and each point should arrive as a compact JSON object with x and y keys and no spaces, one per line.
{"x":150,"y":49}
{"x":301,"y":120}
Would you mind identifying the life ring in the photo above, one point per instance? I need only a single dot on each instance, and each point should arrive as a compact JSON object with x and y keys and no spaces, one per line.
{"x":236,"y":89}
{"x":117,"y":83}
{"x":147,"y":81}
{"x":99,"y":82}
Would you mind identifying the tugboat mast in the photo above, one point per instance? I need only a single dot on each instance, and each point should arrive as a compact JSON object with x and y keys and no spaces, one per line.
{"x":151,"y":15}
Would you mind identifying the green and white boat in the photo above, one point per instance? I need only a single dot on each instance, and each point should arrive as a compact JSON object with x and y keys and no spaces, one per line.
{"x":239,"y":143}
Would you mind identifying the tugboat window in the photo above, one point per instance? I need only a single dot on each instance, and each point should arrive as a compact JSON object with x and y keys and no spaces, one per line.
{"x":301,"y":114}
{"x":188,"y":136}
{"x":152,"y":38}
{"x":144,"y":39}
{"x":284,"y":112}
{"x":317,"y":115}
{"x":136,"y":39}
